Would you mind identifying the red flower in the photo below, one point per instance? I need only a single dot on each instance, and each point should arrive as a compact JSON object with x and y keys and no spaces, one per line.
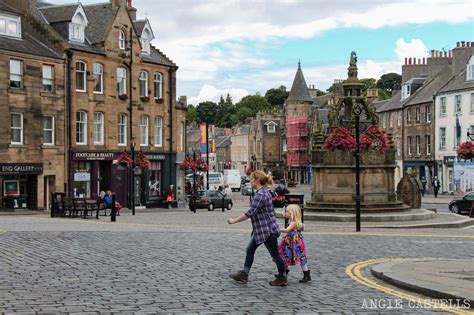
{"x":124,"y":159}
{"x":188,"y":164}
{"x":374,"y":140}
{"x":340,"y":139}
{"x":466,"y":150}
{"x":201,"y":165}
{"x":142,"y":161}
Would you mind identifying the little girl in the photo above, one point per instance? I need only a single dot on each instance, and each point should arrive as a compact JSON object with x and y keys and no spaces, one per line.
{"x":292,"y":247}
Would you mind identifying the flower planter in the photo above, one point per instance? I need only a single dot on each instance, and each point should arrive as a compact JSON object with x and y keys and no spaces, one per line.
{"x":123,"y":97}
{"x":159,"y":100}
{"x":145,"y":99}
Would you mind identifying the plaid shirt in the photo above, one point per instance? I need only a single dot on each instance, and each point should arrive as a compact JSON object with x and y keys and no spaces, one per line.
{"x":263,"y":217}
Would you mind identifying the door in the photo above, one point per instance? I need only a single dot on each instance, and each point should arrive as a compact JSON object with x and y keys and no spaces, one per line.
{"x":46,"y":192}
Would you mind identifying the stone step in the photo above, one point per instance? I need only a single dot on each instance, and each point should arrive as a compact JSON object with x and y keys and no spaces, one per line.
{"x":352,"y":204}
{"x":413,"y":215}
{"x":400,"y":209}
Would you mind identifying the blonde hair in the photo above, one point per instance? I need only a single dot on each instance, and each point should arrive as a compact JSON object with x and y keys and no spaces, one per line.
{"x":295,"y":215}
{"x":262,"y":178}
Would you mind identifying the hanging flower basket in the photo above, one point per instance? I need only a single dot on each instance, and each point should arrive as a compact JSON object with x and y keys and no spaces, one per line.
{"x":466,"y":150}
{"x":188,"y":164}
{"x":124,"y":160}
{"x":201,"y":165}
{"x":142,"y":161}
{"x":340,"y":139}
{"x":145,"y":98}
{"x":123,"y":97}
{"x":159,"y":100}
{"x":250,"y":171}
{"x":374,"y":140}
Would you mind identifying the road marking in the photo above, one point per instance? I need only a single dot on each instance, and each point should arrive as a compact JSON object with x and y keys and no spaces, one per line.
{"x":354,"y":272}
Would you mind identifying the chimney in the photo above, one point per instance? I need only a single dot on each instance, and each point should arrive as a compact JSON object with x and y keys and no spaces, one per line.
{"x":457,"y":44}
{"x":118,"y":3}
{"x":460,"y":56}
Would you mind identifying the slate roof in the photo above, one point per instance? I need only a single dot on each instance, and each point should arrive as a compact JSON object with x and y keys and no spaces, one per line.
{"x":458,"y":83}
{"x":157,"y":57}
{"x":223,"y":142}
{"x":425,"y":93}
{"x":322,"y":101}
{"x":5,"y":7}
{"x":100,"y":18}
{"x":299,"y":89}
{"x":59,"y":13}
{"x":139,"y":25}
{"x":392,"y":103}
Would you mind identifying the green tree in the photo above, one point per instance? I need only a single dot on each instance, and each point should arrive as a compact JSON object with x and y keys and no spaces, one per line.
{"x":243,"y":113}
{"x":389,"y":82}
{"x":207,"y":111}
{"x":277,"y":97}
{"x":256,"y":103}
{"x":319,"y":92}
{"x":369,"y":83}
{"x":191,"y":114}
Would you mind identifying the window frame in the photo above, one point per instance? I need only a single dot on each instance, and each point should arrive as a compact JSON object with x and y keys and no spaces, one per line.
{"x":417,"y":114}
{"x":21,"y":128}
{"x":457,"y":105}
{"x":100,"y":75}
{"x":158,"y":131}
{"x":84,"y":132}
{"x":409,"y":142}
{"x":143,"y":80}
{"x":96,"y":123}
{"x":399,"y":118}
{"x":428,"y":114}
{"x":428,"y":144}
{"x":10,"y":18}
{"x":144,"y":127}
{"x":124,"y":81}
{"x":418,"y":144}
{"x":271,"y":128}
{"x":471,"y":109}
{"x":122,"y":40}
{"x":20,"y":74}
{"x":390,"y":120}
{"x":409,"y":118}
{"x":119,"y":133}
{"x":52,"y":130}
{"x":43,"y":78}
{"x":84,"y":72}
{"x":160,"y":85}
{"x":442,"y":138}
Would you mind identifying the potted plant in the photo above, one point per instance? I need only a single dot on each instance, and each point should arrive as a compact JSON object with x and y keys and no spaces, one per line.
{"x":159,"y":100}
{"x":124,"y":159}
{"x":145,"y":98}
{"x":340,"y":139}
{"x":466,"y":150}
{"x":123,"y":96}
{"x":374,"y":140}
{"x":142,"y":161}
{"x":188,"y":164}
{"x":201,"y":165}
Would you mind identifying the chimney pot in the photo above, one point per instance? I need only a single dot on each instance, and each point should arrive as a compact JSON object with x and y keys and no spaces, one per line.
{"x":432,"y":53}
{"x":409,"y":61}
{"x":406,"y":60}
{"x":463,"y":43}
{"x":424,"y":61}
{"x":457,"y":44}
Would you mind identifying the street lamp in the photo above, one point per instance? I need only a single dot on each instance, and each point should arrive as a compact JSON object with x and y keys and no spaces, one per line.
{"x":132,"y":178}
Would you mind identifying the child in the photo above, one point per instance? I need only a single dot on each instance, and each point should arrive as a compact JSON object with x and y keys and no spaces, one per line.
{"x":292,"y":247}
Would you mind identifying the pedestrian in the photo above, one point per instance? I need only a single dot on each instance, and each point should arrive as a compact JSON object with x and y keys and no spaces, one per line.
{"x":170,"y":196}
{"x":265,"y":229}
{"x":228,"y":191}
{"x":423,"y":185}
{"x":108,"y":202}
{"x":292,"y":247}
{"x":436,"y":185}
{"x":101,"y":200}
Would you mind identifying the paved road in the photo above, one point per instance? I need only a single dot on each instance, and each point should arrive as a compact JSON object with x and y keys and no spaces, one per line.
{"x":179,"y":262}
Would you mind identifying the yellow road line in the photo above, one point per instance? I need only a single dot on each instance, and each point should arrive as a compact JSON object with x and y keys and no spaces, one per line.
{"x":354,"y":272}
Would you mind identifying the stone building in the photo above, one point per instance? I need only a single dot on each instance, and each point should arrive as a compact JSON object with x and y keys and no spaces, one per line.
{"x":32,"y":119}
{"x":239,"y":148}
{"x":223,"y":153}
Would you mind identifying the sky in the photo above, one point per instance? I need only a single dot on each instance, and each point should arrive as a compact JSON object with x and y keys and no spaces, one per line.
{"x":242,"y":47}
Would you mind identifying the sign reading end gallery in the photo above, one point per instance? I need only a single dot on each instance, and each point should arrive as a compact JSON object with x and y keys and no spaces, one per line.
{"x":21,"y":168}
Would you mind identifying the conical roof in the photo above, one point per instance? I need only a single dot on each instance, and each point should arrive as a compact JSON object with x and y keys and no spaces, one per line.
{"x":299,"y":89}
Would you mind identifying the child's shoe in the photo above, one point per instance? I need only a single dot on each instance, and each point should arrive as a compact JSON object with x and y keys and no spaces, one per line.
{"x":241,"y":277}
{"x":306,"y":277}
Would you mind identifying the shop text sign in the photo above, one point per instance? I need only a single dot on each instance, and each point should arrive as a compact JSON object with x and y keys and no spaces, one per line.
{"x":94,"y":155}
{"x":21,"y":168}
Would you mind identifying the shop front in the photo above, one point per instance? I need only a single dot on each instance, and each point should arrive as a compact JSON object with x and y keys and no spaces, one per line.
{"x":155,"y":180}
{"x":91,"y":172}
{"x":446,"y":176}
{"x":19,"y":184}
{"x":422,"y":169}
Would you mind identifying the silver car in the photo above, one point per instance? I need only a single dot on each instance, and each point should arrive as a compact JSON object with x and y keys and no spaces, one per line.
{"x":246,"y":189}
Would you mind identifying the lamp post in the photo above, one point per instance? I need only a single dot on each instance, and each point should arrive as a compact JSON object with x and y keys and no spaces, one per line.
{"x":193,"y":197}
{"x":132,"y":178}
{"x":207,"y":154}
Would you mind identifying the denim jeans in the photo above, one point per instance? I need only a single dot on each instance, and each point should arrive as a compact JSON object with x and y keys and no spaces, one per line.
{"x":272,"y":246}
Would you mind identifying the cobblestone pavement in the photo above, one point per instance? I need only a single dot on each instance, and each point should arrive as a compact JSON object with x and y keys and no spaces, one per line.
{"x":180,"y":263}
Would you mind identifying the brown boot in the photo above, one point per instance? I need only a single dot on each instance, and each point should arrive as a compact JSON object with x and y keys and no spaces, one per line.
{"x":280,"y":281}
{"x":241,"y":277}
{"x":306,"y":277}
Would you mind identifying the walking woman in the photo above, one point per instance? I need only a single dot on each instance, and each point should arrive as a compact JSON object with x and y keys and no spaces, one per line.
{"x":265,"y":229}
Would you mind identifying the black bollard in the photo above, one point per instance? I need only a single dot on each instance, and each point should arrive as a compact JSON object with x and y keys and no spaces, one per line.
{"x":113,"y":212}
{"x":223,"y":203}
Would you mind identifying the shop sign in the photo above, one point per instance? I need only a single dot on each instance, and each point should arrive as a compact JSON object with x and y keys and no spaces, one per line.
{"x":21,"y":168}
{"x":82,"y":177}
{"x":156,"y":157}
{"x":93,"y":156}
{"x":449,"y":160}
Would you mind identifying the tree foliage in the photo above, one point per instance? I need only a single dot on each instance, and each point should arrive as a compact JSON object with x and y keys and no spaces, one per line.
{"x":389,"y":82}
{"x":191,"y":114}
{"x":277,"y":97}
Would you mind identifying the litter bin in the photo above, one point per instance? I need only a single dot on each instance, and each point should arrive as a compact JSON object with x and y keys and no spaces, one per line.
{"x":295,"y":199}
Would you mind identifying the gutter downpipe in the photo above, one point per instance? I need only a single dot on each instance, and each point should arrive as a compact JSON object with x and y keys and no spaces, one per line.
{"x":68,"y":121}
{"x":171,"y":70}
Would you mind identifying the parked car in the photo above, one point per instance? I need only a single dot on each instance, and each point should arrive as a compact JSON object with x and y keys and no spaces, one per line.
{"x":463,"y":204}
{"x":210,"y":200}
{"x":246,"y":189}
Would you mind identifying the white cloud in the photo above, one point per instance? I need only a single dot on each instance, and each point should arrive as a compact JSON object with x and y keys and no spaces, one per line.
{"x":415,"y":48}
{"x":211,"y":93}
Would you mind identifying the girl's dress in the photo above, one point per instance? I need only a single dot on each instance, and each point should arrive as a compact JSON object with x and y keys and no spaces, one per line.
{"x":292,"y":249}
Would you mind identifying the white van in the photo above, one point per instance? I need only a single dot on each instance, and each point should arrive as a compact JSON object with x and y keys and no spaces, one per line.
{"x":232,"y":178}
{"x":216,"y":179}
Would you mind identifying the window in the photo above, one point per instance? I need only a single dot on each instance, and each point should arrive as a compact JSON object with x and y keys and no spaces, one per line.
{"x":98,"y":128}
{"x":384,"y":121}
{"x":457,"y":104}
{"x":428,"y":144}
{"x":271,"y":128}
{"x":158,"y":132}
{"x":146,"y":39}
{"x":409,"y":145}
{"x":406,"y":91}
{"x":472,"y":129}
{"x":457,"y":137}
{"x":181,"y":135}
{"x":10,"y":25}
{"x":158,"y":84}
{"x":442,"y":107}
{"x":80,"y":76}
{"x":442,"y":137}
{"x":122,"y":40}
{"x":417,"y":114}
{"x":399,"y":119}
{"x":48,"y":78}
{"x":470,"y":69}
{"x":428,"y":114}
{"x":390,"y":120}
{"x":418,"y":144}
{"x":48,"y":130}
{"x":408,"y":115}
{"x":472,"y":103}
{"x":121,"y":81}
{"x":143,"y":80}
{"x":81,"y":128}
{"x":16,"y":74}
{"x":16,"y":128}
{"x":399,"y":148}
{"x":98,"y":73}
{"x":143,"y":130}
{"x":76,"y":28}
{"x":122,"y":130}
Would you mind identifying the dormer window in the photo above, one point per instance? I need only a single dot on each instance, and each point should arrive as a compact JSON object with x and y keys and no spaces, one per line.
{"x":406,"y":90}
{"x":146,"y":39}
{"x":122,"y":40}
{"x":77,"y":26}
{"x":470,"y":69}
{"x":271,"y":127}
{"x":10,"y":25}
